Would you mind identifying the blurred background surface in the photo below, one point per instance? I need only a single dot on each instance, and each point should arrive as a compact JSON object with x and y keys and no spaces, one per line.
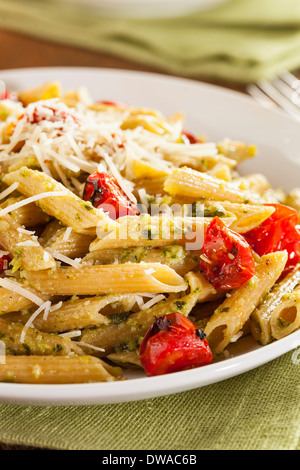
{"x":228,"y":41}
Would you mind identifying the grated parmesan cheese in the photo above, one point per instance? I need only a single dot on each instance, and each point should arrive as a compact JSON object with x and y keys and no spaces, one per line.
{"x":65,"y":259}
{"x":124,"y":184}
{"x":71,"y":334}
{"x":80,"y":343}
{"x":26,"y":232}
{"x":15,"y":287}
{"x":67,"y":234}
{"x":28,"y":200}
{"x":149,"y":271}
{"x":9,"y":190}
{"x":28,"y":243}
{"x":29,"y":324}
{"x":153,"y":301}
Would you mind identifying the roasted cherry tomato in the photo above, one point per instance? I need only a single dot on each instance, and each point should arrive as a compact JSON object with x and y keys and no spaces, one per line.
{"x":3,"y":259}
{"x":226,"y":258}
{"x":173,"y":343}
{"x":281,"y":231}
{"x":103,"y":191}
{"x":7,"y":95}
{"x":118,"y":104}
{"x":190,"y":138}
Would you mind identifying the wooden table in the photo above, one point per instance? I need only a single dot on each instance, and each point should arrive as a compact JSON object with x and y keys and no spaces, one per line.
{"x":22,"y":51}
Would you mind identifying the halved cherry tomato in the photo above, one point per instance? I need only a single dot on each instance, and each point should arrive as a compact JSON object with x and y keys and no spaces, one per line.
{"x":4,"y":258}
{"x":103,"y":191}
{"x":226,"y":258}
{"x":173,"y":343}
{"x":281,"y":231}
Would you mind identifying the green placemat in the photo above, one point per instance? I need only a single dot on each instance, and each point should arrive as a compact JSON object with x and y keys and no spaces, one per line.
{"x":257,"y":410}
{"x":241,"y":40}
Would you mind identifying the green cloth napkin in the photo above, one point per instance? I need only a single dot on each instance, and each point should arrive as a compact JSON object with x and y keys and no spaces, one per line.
{"x":259,"y":410}
{"x":240,"y":40}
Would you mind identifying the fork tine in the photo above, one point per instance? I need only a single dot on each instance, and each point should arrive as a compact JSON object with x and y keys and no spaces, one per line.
{"x":290,"y":80}
{"x":287,"y":91}
{"x":261,"y":97}
{"x":282,"y":101}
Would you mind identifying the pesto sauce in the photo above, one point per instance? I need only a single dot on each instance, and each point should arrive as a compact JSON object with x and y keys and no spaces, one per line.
{"x":117,"y":318}
{"x":180,"y":304}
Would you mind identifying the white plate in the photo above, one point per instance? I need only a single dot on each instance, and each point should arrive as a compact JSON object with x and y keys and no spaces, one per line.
{"x":209,"y":110}
{"x":148,"y":8}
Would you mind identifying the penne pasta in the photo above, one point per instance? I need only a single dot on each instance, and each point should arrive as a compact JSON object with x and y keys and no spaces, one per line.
{"x":146,"y":231}
{"x":175,"y":256}
{"x":25,"y":250}
{"x":193,"y":184}
{"x":256,"y":182}
{"x":34,"y":342}
{"x":129,"y":330}
{"x":72,"y":244}
{"x":12,"y":301}
{"x":151,"y":186}
{"x":248,"y":216}
{"x":93,"y":280}
{"x":274,"y":302}
{"x":115,"y":224}
{"x":69,"y":209}
{"x":199,"y":162}
{"x":236,"y":150}
{"x":230,"y":317}
{"x":198,"y":283}
{"x":77,"y":314}
{"x":43,"y":92}
{"x":128,"y":359}
{"x":54,"y":370}
{"x":285,"y":318}
{"x":29,"y":215}
{"x":293,"y":199}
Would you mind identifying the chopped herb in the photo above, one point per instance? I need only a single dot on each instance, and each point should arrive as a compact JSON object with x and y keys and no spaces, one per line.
{"x":88,"y":206}
{"x":27,"y":348}
{"x":57,"y":348}
{"x":117,"y":318}
{"x":226,"y":309}
{"x":180,"y":304}
{"x":282,"y":323}
{"x":214,"y":212}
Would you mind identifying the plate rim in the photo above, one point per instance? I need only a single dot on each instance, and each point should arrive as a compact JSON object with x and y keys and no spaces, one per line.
{"x":148,"y":387}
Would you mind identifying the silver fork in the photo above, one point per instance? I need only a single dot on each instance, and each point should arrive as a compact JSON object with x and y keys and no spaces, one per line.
{"x":282,"y":92}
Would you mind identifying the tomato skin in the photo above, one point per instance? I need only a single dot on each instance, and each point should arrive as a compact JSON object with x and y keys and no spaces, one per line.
{"x":103,"y":191}
{"x":172,"y":344}
{"x":3,"y":258}
{"x":118,"y":104}
{"x":191,"y":138}
{"x":226,"y":258}
{"x":7,"y":95}
{"x":281,"y":231}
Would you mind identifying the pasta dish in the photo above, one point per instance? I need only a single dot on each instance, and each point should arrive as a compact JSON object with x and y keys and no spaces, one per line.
{"x":128,"y":242}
